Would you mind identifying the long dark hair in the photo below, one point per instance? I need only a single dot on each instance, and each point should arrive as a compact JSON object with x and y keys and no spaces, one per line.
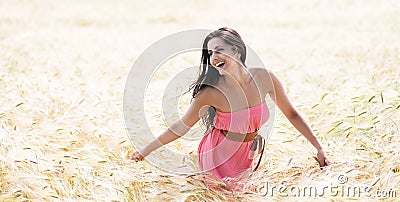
{"x":209,"y":75}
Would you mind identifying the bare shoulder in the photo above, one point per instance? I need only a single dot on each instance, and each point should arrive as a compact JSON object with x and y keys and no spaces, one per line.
{"x":259,"y":71}
{"x":207,"y":96}
{"x":263,"y":77}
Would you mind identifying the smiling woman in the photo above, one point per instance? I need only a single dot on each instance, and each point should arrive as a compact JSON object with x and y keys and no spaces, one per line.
{"x":230,"y":99}
{"x":219,"y":54}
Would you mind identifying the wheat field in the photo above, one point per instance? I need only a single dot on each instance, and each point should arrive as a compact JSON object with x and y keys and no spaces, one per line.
{"x":64,"y":65}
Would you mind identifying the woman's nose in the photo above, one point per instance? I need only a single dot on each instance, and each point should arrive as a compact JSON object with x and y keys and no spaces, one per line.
{"x":214,"y":56}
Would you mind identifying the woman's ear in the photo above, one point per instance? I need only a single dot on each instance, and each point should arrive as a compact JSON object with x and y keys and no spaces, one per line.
{"x":238,"y":55}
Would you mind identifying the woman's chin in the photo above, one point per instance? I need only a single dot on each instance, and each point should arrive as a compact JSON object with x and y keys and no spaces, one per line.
{"x":222,"y":72}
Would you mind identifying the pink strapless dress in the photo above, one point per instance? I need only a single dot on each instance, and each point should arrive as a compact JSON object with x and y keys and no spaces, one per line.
{"x":226,"y":158}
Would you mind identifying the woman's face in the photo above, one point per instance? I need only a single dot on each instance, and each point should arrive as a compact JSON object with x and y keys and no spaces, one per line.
{"x":222,"y":56}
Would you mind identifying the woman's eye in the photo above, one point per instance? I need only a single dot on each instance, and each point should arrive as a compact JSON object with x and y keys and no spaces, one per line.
{"x":219,"y":51}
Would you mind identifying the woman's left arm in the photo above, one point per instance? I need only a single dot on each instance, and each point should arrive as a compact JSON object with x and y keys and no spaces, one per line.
{"x":279,"y":96}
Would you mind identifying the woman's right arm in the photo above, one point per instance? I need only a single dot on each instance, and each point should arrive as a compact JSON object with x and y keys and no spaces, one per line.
{"x":197,"y":109}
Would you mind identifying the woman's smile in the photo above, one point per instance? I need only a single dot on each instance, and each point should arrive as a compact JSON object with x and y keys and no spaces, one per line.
{"x":220,"y":64}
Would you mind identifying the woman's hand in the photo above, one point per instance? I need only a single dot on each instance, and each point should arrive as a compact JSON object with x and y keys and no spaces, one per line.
{"x":322,"y":159}
{"x":137,"y":156}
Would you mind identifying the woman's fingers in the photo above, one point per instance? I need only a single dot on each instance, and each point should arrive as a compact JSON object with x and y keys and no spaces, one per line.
{"x":322,"y":159}
{"x":136,"y":156}
{"x":327,"y":162}
{"x":321,"y":162}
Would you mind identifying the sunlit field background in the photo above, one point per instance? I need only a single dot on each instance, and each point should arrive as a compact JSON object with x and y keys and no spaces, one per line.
{"x":63,"y":70}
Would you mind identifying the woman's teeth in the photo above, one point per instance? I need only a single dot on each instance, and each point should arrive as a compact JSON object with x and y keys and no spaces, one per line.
{"x":220,"y":64}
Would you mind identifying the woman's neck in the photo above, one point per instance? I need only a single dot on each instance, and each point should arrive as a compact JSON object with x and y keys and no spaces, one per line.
{"x":240,"y":76}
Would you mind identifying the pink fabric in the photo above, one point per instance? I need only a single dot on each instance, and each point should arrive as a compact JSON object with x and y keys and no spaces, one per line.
{"x":226,"y":158}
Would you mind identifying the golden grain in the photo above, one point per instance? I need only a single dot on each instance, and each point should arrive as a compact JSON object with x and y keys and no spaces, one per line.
{"x":63,"y":69}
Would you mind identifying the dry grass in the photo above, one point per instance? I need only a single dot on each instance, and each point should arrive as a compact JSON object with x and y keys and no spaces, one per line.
{"x":64,"y":64}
